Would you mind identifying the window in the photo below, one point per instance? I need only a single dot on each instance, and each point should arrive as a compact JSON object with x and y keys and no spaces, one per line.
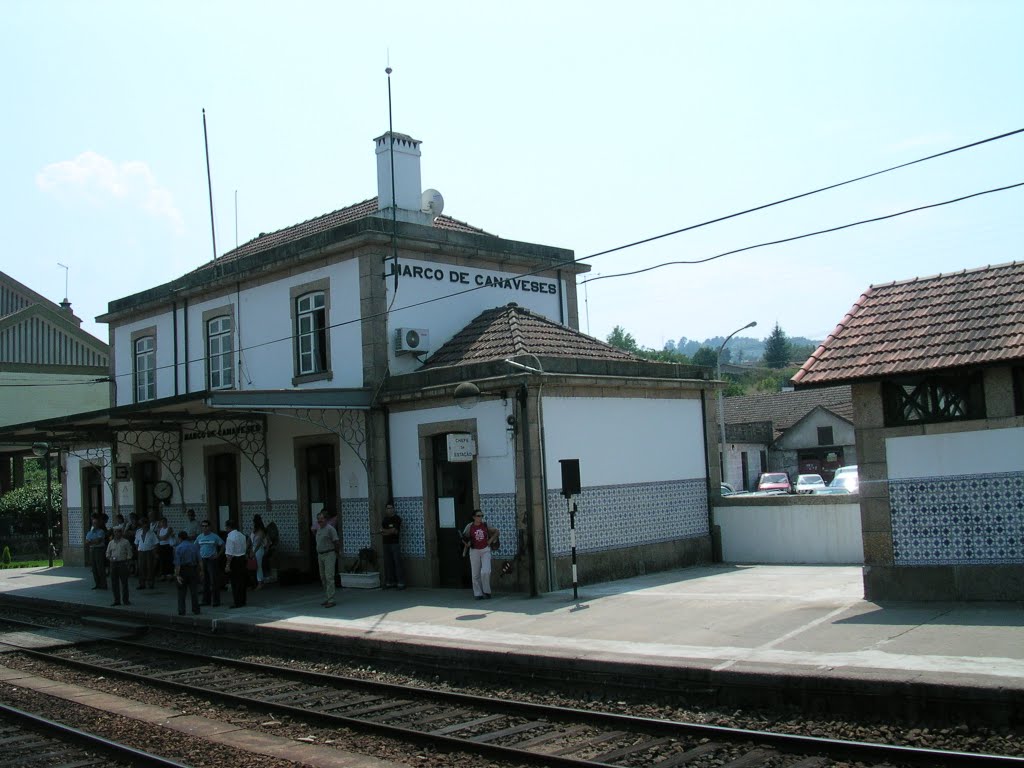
{"x":311,"y":333}
{"x":933,"y":399}
{"x":145,"y":368}
{"x":220,"y":354}
{"x":825,"y":436}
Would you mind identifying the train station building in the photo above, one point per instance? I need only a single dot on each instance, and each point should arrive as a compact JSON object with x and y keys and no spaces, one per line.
{"x":388,"y":352}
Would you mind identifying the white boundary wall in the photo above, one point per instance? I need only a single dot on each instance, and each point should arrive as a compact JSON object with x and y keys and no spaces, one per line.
{"x":790,"y":531}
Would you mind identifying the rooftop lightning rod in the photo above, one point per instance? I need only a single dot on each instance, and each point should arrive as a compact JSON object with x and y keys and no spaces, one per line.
{"x":209,"y":186}
{"x":394,"y":202}
{"x":65,"y":268}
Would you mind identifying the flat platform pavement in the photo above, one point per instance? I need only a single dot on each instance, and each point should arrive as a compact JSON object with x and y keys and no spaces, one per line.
{"x":807,"y":621}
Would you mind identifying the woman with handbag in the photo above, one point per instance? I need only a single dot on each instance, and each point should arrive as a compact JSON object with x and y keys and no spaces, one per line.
{"x":478,"y":538}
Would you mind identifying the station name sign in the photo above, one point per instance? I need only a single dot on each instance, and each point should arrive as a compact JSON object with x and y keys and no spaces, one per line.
{"x":242,"y":429}
{"x":462,"y":277}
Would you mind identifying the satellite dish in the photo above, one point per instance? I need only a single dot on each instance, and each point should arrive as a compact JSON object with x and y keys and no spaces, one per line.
{"x":432,"y":203}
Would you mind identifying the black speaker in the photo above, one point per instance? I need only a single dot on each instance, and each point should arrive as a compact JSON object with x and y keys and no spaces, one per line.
{"x":570,"y":477}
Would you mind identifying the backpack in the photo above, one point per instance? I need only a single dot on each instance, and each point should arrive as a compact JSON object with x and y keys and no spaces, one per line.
{"x":272,"y":535}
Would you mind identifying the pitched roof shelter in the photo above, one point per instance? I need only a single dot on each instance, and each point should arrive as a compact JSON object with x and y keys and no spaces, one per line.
{"x":967,"y":318}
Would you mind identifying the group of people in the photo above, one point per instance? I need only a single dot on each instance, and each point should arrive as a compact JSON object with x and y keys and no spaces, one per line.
{"x":194,"y":558}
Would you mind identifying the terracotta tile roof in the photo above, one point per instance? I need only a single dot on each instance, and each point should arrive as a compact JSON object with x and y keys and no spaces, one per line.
{"x":513,"y":330}
{"x":784,"y":409}
{"x":965,"y":318}
{"x":269,"y":240}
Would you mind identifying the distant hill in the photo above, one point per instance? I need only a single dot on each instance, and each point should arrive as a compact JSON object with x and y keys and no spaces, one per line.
{"x":741,"y":349}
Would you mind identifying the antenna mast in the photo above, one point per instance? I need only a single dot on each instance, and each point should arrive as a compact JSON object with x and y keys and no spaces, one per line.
{"x":209,"y":186}
{"x":394,"y":202}
{"x":64,"y":267}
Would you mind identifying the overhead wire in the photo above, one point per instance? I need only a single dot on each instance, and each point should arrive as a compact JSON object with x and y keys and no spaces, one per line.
{"x":643,"y":241}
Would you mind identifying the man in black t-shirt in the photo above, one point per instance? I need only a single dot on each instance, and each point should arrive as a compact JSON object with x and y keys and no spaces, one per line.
{"x":391,"y":531}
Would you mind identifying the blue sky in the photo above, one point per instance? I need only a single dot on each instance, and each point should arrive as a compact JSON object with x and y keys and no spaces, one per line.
{"x":580,"y":125}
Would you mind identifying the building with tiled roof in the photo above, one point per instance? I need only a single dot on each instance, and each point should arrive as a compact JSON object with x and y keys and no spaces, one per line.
{"x":511,"y":330}
{"x":936,"y":368}
{"x":49,"y":367}
{"x":382,"y":353}
{"x":326,"y":222}
{"x":797,"y":432}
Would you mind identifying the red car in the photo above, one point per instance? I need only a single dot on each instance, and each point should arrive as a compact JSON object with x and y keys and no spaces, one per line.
{"x":774,"y":481}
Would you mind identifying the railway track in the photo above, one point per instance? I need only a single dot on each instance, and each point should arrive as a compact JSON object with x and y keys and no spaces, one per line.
{"x":28,"y":740}
{"x":514,"y":732}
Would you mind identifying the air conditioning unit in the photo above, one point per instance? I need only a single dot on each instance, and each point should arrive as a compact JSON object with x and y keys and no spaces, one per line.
{"x":412,"y":341}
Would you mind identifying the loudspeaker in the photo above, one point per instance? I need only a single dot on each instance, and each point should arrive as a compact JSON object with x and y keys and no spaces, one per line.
{"x":570,"y":477}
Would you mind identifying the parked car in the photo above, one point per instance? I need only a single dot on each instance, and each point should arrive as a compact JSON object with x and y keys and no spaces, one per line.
{"x":774,"y":481}
{"x":809,"y":483}
{"x":846,"y":478}
{"x":727,"y":490}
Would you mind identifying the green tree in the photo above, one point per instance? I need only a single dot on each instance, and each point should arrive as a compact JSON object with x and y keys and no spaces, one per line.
{"x":25,"y":507}
{"x":706,"y":356}
{"x":622,"y":339}
{"x":777,"y":351}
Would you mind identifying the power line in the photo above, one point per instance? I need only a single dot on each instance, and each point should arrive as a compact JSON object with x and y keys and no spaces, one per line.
{"x":634,"y":272}
{"x":689,"y":228}
{"x":810,"y":234}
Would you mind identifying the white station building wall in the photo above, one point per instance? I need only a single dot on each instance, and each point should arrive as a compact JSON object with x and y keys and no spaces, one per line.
{"x":478,"y":289}
{"x":642,"y":471}
{"x":624,"y":440}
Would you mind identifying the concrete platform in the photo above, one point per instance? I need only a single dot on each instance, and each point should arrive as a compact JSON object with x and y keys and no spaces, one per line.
{"x":807,"y":621}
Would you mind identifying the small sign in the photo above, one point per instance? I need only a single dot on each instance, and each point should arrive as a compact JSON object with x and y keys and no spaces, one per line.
{"x":122,"y":472}
{"x":461,"y":447}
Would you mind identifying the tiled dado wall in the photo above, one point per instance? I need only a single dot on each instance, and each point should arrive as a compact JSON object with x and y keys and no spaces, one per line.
{"x":499,"y":511}
{"x":958,"y":520}
{"x":617,"y":516}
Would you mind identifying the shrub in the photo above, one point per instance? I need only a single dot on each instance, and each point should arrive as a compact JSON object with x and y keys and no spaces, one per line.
{"x":5,"y":558}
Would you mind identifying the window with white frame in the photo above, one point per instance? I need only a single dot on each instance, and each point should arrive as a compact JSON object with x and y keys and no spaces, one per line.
{"x":145,"y":368}
{"x":311,"y":334}
{"x":220,"y":357}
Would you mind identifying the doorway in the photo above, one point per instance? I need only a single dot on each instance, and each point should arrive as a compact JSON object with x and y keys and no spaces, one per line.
{"x":222,"y":471}
{"x":92,"y":485}
{"x":453,"y":484}
{"x":145,"y":474}
{"x":321,"y":491}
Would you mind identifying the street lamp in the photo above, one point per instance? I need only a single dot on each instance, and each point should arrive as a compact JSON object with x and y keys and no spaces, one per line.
{"x":41,"y":450}
{"x":721,"y":405}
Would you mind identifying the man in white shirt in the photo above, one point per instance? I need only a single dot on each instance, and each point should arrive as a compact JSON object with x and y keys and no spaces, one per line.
{"x":236,"y":551}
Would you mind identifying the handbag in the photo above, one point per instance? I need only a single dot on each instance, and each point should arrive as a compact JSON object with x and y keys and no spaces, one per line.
{"x":250,"y":564}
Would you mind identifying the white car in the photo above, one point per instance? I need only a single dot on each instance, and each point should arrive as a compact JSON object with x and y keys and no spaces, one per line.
{"x":809,"y":483}
{"x":846,"y":478}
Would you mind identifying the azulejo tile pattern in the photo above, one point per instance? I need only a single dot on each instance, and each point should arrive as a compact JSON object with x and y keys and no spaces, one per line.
{"x":413,"y":541}
{"x":76,"y":526}
{"x":500,"y":512}
{"x":618,"y":516}
{"x":355,"y":526}
{"x":958,"y":520}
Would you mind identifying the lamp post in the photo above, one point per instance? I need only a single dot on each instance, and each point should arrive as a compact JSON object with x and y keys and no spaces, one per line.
{"x":721,"y":397}
{"x":41,"y":450}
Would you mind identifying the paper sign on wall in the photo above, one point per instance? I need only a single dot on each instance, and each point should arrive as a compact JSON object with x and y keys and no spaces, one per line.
{"x":461,"y":446}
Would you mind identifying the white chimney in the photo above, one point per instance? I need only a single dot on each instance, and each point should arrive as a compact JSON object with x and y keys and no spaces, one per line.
{"x":407,"y":191}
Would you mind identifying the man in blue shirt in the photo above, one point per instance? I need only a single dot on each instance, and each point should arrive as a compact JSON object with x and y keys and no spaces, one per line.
{"x":96,"y":551}
{"x":187,"y":566}
{"x":210,"y":545}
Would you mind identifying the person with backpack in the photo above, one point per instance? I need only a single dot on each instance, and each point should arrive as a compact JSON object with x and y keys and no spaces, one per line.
{"x":477,"y":539}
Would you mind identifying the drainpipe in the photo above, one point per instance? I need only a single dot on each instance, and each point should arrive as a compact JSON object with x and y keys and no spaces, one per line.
{"x":174,"y":328}
{"x":524,"y":395}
